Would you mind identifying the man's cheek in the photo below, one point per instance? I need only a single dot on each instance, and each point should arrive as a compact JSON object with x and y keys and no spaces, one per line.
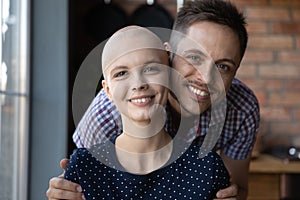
{"x":162,"y":80}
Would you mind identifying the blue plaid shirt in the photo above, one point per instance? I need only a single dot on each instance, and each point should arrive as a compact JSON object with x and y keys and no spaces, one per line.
{"x":102,"y":120}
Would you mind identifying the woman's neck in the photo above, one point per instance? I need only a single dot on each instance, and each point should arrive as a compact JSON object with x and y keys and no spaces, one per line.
{"x":128,"y":142}
{"x":143,"y":155}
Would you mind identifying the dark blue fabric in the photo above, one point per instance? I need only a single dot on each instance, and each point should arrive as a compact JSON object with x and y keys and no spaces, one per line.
{"x":188,"y":177}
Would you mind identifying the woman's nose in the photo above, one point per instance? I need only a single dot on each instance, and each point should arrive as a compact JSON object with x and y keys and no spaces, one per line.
{"x":139,"y":83}
{"x":143,"y":86}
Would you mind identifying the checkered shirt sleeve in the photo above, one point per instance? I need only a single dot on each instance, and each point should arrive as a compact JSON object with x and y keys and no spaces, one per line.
{"x":102,"y":120}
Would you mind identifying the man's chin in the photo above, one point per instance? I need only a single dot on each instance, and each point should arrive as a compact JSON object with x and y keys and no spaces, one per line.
{"x":193,"y":110}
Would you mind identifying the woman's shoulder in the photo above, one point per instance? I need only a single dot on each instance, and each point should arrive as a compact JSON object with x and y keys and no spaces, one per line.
{"x":90,"y":153}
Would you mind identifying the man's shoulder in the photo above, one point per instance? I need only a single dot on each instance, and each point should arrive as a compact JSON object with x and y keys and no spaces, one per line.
{"x":101,"y":99}
{"x":102,"y":106}
{"x":241,"y":97}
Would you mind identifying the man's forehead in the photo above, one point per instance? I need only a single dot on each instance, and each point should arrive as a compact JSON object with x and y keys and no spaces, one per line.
{"x":188,"y":45}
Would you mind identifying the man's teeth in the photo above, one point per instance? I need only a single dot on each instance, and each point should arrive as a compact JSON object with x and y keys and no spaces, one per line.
{"x":198,"y":92}
{"x":142,"y":100}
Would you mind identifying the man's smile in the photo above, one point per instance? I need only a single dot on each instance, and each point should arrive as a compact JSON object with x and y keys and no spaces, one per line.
{"x":202,"y":93}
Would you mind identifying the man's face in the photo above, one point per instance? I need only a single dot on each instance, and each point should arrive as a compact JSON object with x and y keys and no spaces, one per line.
{"x":207,"y":65}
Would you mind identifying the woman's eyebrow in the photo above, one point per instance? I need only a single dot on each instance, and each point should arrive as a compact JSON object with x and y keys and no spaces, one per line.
{"x":119,"y":67}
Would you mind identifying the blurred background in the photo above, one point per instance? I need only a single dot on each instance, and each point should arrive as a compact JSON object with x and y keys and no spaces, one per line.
{"x":44,"y":42}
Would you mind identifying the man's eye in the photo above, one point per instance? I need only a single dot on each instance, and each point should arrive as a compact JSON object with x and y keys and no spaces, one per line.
{"x":194,"y":59}
{"x":119,"y":74}
{"x":223,"y":67}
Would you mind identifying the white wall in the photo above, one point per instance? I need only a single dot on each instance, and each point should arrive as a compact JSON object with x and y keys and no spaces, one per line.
{"x":49,"y":72}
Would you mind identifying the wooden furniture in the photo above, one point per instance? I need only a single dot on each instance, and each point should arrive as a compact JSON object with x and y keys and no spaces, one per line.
{"x":266,"y":178}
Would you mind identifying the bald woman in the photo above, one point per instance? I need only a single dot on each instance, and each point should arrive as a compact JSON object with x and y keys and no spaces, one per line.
{"x":144,"y":161}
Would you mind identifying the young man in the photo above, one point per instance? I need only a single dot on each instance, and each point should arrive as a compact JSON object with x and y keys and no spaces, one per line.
{"x":144,"y":161}
{"x":219,"y":28}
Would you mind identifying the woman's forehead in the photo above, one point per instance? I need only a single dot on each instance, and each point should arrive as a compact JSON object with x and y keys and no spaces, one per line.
{"x":125,"y":41}
{"x":139,"y":58}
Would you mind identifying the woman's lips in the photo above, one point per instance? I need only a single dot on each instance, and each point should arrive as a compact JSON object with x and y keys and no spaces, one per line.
{"x":141,"y":100}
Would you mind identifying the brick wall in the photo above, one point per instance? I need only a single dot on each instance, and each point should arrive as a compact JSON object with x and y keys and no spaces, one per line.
{"x":271,"y":66}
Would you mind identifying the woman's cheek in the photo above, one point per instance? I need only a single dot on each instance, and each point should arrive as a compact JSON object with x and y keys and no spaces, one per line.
{"x":119,"y":90}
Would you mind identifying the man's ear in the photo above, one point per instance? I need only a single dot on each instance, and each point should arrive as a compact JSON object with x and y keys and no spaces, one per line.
{"x":167,"y":46}
{"x":168,"y":49}
{"x":106,"y":89}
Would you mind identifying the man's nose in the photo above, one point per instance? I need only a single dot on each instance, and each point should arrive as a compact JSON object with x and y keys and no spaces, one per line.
{"x":207,"y":73}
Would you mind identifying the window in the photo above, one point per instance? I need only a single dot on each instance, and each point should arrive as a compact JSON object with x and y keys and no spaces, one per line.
{"x":14,"y":98}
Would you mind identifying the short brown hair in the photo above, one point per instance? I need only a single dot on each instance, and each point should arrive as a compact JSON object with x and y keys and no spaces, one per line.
{"x":216,"y":11}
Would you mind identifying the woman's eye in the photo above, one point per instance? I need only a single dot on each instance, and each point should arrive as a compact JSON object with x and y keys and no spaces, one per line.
{"x":119,"y":74}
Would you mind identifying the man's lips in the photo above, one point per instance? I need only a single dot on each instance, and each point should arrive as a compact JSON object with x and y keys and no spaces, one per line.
{"x":199,"y":92}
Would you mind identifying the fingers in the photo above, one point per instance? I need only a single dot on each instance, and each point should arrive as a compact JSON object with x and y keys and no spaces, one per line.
{"x":63,"y":163}
{"x":57,"y":194}
{"x":230,"y":198}
{"x":228,"y":193}
{"x":63,"y":184}
{"x":60,"y":188}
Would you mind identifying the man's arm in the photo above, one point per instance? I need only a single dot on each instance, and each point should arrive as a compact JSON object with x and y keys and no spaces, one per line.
{"x":100,"y":121}
{"x":242,"y":142}
{"x":229,"y":193}
{"x":59,"y":188}
{"x":238,"y":170}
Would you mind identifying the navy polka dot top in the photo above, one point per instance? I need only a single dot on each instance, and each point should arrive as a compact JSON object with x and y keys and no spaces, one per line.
{"x":187,"y":177}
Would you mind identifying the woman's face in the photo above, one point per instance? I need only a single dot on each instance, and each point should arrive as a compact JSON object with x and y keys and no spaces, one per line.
{"x":136,"y":82}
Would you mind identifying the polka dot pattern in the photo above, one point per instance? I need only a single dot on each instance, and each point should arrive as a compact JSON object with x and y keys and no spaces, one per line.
{"x":188,"y":177}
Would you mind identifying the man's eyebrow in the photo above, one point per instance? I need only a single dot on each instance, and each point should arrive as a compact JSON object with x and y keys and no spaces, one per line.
{"x":226,"y":60}
{"x":195,"y":51}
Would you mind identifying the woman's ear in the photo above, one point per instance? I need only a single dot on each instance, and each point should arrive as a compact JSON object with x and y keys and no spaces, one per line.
{"x":106,"y":89}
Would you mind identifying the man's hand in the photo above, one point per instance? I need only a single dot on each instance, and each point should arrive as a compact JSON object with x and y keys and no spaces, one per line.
{"x":229,"y":193}
{"x":59,"y":188}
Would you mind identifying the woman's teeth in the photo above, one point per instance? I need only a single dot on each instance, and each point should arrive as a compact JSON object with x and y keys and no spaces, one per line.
{"x":198,"y":92}
{"x":141,"y":100}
